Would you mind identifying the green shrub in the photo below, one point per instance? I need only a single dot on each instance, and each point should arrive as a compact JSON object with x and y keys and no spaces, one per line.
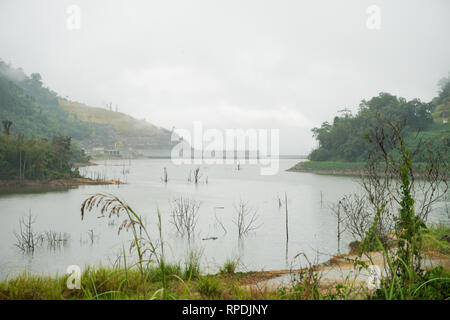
{"x":432,"y":239}
{"x":154,"y":272}
{"x":433,"y":284}
{"x":208,"y":286}
{"x":229,"y":267}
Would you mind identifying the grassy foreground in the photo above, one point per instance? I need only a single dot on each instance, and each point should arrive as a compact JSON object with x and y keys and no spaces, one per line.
{"x":174,"y":284}
{"x":185,"y":281}
{"x":115,"y":283}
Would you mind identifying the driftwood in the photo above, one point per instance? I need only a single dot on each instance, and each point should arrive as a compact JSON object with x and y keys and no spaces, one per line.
{"x":210,"y":238}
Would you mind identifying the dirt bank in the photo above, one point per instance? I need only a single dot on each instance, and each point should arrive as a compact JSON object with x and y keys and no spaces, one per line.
{"x":56,"y":182}
{"x":339,"y":269}
{"x":336,"y":172}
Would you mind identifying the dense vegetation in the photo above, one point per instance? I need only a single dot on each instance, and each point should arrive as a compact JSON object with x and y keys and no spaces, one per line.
{"x":345,"y":138}
{"x":37,"y":111}
{"x":35,"y":158}
{"x":34,"y":109}
{"x":43,"y":133}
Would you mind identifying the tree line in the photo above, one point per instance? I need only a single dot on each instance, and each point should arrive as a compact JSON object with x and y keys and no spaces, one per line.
{"x":37,"y":158}
{"x":345,"y":139}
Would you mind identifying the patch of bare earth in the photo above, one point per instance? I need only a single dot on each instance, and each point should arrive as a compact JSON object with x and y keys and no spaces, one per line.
{"x":339,"y":269}
{"x":57,"y":182}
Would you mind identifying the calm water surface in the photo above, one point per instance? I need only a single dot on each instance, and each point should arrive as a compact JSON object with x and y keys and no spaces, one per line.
{"x":312,"y":226}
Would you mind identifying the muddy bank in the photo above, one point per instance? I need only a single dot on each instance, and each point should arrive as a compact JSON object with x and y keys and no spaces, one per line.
{"x":338,"y":269}
{"x":349,"y":172}
{"x":336,"y":172}
{"x":327,"y":168}
{"x":83,"y":164}
{"x":56,"y":182}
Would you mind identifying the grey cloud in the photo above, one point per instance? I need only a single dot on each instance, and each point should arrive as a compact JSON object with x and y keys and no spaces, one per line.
{"x":231,"y":63}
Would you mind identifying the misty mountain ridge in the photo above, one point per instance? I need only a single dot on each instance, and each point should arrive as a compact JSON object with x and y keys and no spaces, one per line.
{"x":38,"y":111}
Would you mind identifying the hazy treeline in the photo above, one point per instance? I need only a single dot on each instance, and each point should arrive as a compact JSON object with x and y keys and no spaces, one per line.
{"x":38,"y":111}
{"x":36,"y":158}
{"x":345,"y":138}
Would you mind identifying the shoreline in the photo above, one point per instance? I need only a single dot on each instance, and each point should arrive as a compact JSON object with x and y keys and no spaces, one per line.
{"x":336,"y":270}
{"x":334,"y":172}
{"x":57,"y":182}
{"x":320,"y":168}
{"x":332,"y":168}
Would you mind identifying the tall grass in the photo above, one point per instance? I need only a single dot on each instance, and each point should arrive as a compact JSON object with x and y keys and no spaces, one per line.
{"x":229,"y":267}
{"x":433,"y":283}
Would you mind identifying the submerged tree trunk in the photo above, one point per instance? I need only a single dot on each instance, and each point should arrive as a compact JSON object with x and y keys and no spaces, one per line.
{"x":287,"y":222}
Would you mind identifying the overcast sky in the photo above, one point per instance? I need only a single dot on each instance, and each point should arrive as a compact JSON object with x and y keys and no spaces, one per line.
{"x":231,"y":64}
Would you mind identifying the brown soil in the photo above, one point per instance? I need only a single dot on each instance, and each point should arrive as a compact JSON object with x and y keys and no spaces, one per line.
{"x":333,"y":271}
{"x":56,"y":182}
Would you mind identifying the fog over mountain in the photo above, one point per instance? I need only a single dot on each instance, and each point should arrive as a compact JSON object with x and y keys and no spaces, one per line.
{"x":231,"y":64}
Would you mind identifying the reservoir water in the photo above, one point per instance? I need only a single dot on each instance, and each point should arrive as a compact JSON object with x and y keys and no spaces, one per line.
{"x":312,"y":226}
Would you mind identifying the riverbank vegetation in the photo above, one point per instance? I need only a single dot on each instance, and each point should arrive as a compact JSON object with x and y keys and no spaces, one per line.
{"x":23,"y":158}
{"x":343,"y":144}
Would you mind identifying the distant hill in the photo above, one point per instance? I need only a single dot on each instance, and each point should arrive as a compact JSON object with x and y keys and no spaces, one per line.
{"x":37,"y":111}
{"x":109,"y":128}
{"x":33,"y":109}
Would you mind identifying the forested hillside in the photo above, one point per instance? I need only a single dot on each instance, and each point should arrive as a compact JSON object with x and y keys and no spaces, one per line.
{"x":345,"y":138}
{"x":42,"y":134}
{"x":33,"y":109}
{"x":37,"y":111}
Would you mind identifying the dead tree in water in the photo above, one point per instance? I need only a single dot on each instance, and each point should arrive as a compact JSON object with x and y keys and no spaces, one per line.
{"x":184,"y":215}
{"x":197,"y":175}
{"x":56,"y":239}
{"x":246,"y":218}
{"x":340,"y":224}
{"x":165,"y":178}
{"x":321,"y":199}
{"x":287,"y":222}
{"x":279,"y":201}
{"x":27,"y":239}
